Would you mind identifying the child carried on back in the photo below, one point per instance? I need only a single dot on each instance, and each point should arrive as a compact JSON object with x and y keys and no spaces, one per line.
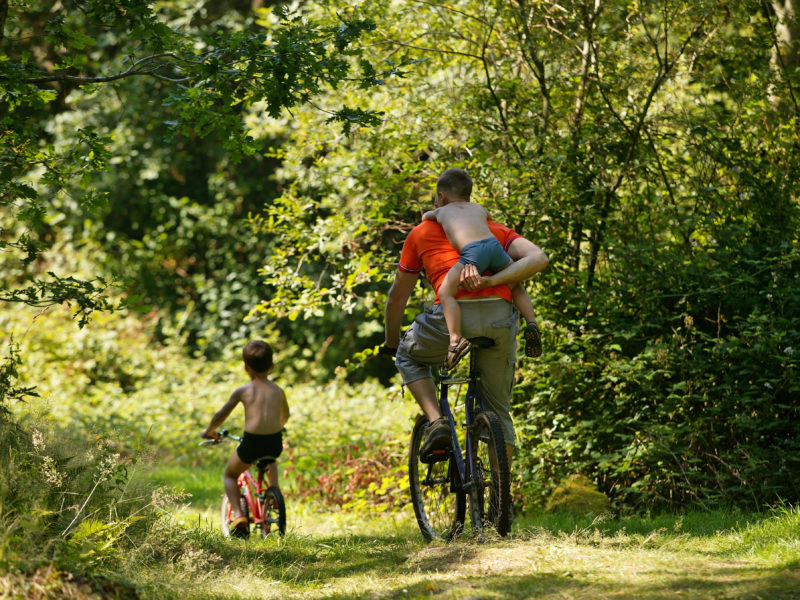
{"x":465,"y":224}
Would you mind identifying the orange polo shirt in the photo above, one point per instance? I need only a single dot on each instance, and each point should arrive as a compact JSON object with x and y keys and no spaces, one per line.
{"x":426,"y":249}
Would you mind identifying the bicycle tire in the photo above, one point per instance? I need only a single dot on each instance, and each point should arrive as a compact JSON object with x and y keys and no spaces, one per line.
{"x":273,"y":511}
{"x":490,"y":494}
{"x":226,"y":514}
{"x":439,"y":506}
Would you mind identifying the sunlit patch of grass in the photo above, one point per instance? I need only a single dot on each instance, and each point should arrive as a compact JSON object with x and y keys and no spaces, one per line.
{"x":774,"y":540}
{"x":332,"y":555}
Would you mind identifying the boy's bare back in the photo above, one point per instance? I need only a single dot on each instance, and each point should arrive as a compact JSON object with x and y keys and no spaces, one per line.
{"x":463,"y":222}
{"x":265,"y":408}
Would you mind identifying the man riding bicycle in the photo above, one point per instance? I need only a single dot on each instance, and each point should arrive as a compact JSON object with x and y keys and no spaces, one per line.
{"x":486,"y":310}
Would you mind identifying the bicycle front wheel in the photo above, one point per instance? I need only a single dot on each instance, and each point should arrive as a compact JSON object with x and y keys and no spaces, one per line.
{"x":439,"y":503}
{"x":490,"y":494}
{"x":273,"y":510}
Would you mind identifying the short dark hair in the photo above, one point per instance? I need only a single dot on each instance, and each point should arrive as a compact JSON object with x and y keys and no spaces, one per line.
{"x":258,"y":356}
{"x":457,"y":182}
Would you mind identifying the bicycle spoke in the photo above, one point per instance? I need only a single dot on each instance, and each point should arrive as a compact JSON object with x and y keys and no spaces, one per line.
{"x":490,"y":496}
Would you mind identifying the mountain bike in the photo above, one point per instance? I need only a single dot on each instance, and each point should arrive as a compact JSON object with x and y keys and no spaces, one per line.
{"x":263,"y":506}
{"x":439,"y":490}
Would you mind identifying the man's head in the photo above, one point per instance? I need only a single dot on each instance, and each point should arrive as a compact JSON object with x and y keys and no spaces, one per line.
{"x":258,"y":356}
{"x":453,"y":184}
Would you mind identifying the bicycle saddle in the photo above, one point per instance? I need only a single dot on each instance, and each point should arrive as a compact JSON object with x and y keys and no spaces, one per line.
{"x":481,"y":341}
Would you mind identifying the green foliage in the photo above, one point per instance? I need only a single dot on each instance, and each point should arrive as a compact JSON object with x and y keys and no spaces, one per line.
{"x":206,"y":71}
{"x":577,"y":495}
{"x":356,"y":478}
{"x":651,"y":151}
{"x":67,"y":500}
{"x":642,"y":150}
{"x":9,"y":390}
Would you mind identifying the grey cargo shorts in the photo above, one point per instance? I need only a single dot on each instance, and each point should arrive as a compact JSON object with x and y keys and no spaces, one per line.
{"x":424,"y":345}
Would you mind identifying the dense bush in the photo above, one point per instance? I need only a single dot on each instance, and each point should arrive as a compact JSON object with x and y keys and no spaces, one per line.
{"x":697,"y":406}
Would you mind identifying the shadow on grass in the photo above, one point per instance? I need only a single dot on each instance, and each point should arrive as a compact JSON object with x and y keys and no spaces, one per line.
{"x":739,"y":584}
{"x":696,"y":524}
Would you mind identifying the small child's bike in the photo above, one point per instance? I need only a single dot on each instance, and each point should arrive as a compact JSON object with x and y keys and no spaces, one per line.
{"x":262,"y":506}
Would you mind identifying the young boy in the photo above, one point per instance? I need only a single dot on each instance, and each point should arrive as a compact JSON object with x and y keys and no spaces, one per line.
{"x":265,"y":413}
{"x":464,"y":223}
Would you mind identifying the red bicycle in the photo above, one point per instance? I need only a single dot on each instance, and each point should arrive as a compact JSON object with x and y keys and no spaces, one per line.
{"x":262,"y":506}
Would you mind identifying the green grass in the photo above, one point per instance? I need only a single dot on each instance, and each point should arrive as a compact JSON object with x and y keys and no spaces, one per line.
{"x":328,"y":554}
{"x":363,"y":550}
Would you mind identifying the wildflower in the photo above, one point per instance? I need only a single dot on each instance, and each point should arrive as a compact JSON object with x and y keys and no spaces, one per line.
{"x":108,"y":465}
{"x":38,"y":440}
{"x":50,"y":471}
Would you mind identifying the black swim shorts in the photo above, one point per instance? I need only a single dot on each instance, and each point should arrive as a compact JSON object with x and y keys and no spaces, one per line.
{"x":260,"y":448}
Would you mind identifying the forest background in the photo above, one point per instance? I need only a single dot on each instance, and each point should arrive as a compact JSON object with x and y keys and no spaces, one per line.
{"x":178,"y":177}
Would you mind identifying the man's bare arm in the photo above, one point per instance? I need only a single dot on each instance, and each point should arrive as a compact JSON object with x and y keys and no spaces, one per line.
{"x":528,"y":258}
{"x":396,"y":302}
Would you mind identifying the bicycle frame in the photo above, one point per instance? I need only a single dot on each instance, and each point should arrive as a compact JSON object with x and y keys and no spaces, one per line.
{"x":253,"y":493}
{"x":478,"y":470}
{"x":465,"y":469}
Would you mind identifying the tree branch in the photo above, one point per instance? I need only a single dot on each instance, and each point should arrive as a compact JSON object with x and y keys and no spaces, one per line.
{"x":497,"y":102}
{"x":131,"y":72}
{"x":537,"y":67}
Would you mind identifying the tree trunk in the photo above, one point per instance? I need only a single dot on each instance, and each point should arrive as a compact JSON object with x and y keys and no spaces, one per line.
{"x":3,"y":16}
{"x":786,"y":47}
{"x":787,"y":31}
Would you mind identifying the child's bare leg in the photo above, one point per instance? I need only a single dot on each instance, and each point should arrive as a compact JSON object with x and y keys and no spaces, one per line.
{"x":450,"y":307}
{"x":523,"y":302}
{"x":533,"y":338}
{"x":233,"y":469}
{"x":272,"y":474}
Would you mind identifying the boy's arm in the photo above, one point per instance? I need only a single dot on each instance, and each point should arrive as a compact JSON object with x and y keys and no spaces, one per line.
{"x":220,"y":416}
{"x":284,"y":410}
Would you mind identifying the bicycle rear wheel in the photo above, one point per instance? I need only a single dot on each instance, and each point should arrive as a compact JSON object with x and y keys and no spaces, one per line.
{"x":227,"y":514}
{"x":490,"y":494}
{"x":438,"y":503}
{"x":273,"y":510}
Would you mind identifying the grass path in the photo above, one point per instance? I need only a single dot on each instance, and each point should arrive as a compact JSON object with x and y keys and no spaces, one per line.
{"x":336,"y":555}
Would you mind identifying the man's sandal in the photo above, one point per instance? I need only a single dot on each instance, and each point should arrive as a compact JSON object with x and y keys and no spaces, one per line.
{"x":456,"y":352}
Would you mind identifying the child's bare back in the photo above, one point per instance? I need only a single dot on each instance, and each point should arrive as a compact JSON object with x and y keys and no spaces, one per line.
{"x":263,"y":403}
{"x":463,"y":222}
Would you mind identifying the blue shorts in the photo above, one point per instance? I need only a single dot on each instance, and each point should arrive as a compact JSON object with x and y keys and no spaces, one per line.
{"x":260,"y":448}
{"x":485,"y":254}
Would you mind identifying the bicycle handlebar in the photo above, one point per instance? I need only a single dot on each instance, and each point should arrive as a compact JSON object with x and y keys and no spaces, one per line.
{"x":223,"y":434}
